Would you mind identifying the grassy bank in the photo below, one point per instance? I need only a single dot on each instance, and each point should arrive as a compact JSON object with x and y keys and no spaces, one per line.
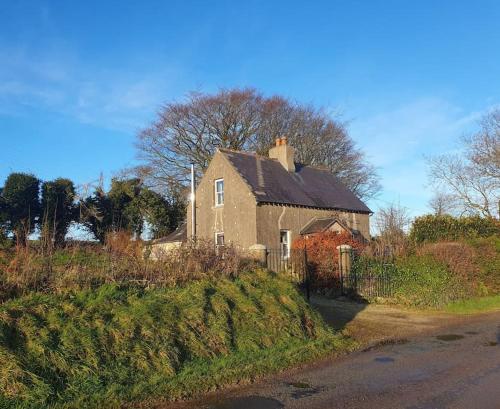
{"x":118,"y":344}
{"x":474,"y":305}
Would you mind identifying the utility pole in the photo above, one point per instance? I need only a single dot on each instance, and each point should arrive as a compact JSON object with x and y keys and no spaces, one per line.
{"x":193,"y":204}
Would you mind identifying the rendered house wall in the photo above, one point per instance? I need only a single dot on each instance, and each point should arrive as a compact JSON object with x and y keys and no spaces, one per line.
{"x":273,"y":218}
{"x":236,"y":218}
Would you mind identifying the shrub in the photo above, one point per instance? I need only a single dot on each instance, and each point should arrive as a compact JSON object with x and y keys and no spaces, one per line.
{"x":425,"y":282}
{"x":387,"y":248}
{"x":460,"y":258}
{"x":488,"y":261}
{"x":432,"y":228}
{"x":323,"y":256}
{"x":120,"y":243}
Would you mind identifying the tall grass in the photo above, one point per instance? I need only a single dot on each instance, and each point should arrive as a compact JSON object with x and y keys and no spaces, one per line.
{"x":121,"y":260}
{"x":119,"y":343}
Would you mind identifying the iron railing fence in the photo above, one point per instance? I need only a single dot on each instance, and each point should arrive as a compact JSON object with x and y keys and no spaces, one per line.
{"x":346,"y":274}
{"x":292,"y":263}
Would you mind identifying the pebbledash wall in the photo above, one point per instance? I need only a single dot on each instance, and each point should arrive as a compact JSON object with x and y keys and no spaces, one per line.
{"x":243,"y":221}
{"x":236,"y":218}
{"x":272,"y":218}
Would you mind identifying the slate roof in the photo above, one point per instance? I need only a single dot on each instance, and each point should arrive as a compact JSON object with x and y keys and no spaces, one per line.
{"x":178,"y":235}
{"x":319,"y":225}
{"x":270,"y":182}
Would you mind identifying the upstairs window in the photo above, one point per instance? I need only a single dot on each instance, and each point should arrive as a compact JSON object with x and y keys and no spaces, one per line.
{"x":219,"y":192}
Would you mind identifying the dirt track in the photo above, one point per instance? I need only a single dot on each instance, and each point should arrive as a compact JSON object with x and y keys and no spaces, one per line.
{"x":372,"y":323}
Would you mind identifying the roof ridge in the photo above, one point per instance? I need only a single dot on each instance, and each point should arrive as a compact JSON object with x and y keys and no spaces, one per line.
{"x":255,"y":154}
{"x":316,"y":167}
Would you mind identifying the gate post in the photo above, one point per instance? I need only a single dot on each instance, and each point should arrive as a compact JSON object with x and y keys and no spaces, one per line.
{"x":258,"y":252}
{"x":344,"y":263}
{"x":345,"y":258}
{"x":307,"y":275}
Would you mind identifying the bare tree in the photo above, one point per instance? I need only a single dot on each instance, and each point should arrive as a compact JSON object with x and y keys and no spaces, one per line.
{"x":393,"y":219}
{"x":243,"y":119}
{"x":473,"y":177}
{"x":392,"y":222}
{"x":483,"y":147}
{"x":443,"y":203}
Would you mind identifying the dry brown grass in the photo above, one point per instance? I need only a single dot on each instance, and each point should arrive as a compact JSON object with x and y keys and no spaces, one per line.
{"x":121,"y":260}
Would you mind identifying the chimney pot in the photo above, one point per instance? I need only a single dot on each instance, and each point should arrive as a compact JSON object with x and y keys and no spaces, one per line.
{"x":284,"y":153}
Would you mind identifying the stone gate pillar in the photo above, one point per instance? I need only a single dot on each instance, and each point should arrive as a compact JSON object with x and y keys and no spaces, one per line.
{"x":259,"y":253}
{"x":345,"y":258}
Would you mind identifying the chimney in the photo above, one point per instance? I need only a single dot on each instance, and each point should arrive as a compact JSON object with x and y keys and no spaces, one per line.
{"x":284,"y":153}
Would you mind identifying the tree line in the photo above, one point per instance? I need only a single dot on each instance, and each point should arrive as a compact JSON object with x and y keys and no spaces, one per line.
{"x":190,"y":131}
{"x":28,"y":204}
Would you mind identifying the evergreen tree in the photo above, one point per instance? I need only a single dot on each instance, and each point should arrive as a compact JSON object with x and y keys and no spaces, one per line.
{"x":20,"y":205}
{"x":58,"y":209}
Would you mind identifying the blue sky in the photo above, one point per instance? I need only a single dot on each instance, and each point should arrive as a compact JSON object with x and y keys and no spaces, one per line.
{"x":79,"y":79}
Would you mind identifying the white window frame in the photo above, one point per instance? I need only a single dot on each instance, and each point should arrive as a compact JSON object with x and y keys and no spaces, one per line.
{"x":216,"y":193}
{"x":285,"y":255}
{"x":217,"y":234}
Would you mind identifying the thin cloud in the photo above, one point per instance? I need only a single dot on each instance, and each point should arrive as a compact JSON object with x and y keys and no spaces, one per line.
{"x":399,"y":139}
{"x":106,"y":98}
{"x":421,"y":126}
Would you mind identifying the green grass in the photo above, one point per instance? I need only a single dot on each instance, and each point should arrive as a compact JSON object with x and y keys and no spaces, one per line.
{"x":121,"y":344}
{"x":474,"y":305}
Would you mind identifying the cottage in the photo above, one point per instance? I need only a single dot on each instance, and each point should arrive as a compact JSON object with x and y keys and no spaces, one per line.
{"x":248,"y":199}
{"x":160,"y":247}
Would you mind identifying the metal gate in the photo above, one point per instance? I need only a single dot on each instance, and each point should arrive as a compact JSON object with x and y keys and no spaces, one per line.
{"x":345,"y":274}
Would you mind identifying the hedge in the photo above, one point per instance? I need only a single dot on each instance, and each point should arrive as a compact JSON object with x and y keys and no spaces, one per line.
{"x":432,"y":228}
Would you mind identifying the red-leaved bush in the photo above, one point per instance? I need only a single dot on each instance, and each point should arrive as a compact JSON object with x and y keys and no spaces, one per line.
{"x":323,"y":256}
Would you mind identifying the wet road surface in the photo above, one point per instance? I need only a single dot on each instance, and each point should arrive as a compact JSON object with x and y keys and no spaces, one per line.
{"x":456,"y":366}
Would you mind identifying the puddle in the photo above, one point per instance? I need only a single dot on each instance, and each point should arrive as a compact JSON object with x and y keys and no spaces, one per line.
{"x":249,"y":402}
{"x":385,"y":342}
{"x":471,"y":332}
{"x":384,"y":359}
{"x":301,"y":385}
{"x":304,"y":393}
{"x":491,"y":344}
{"x":449,"y":337}
{"x":303,"y":390}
